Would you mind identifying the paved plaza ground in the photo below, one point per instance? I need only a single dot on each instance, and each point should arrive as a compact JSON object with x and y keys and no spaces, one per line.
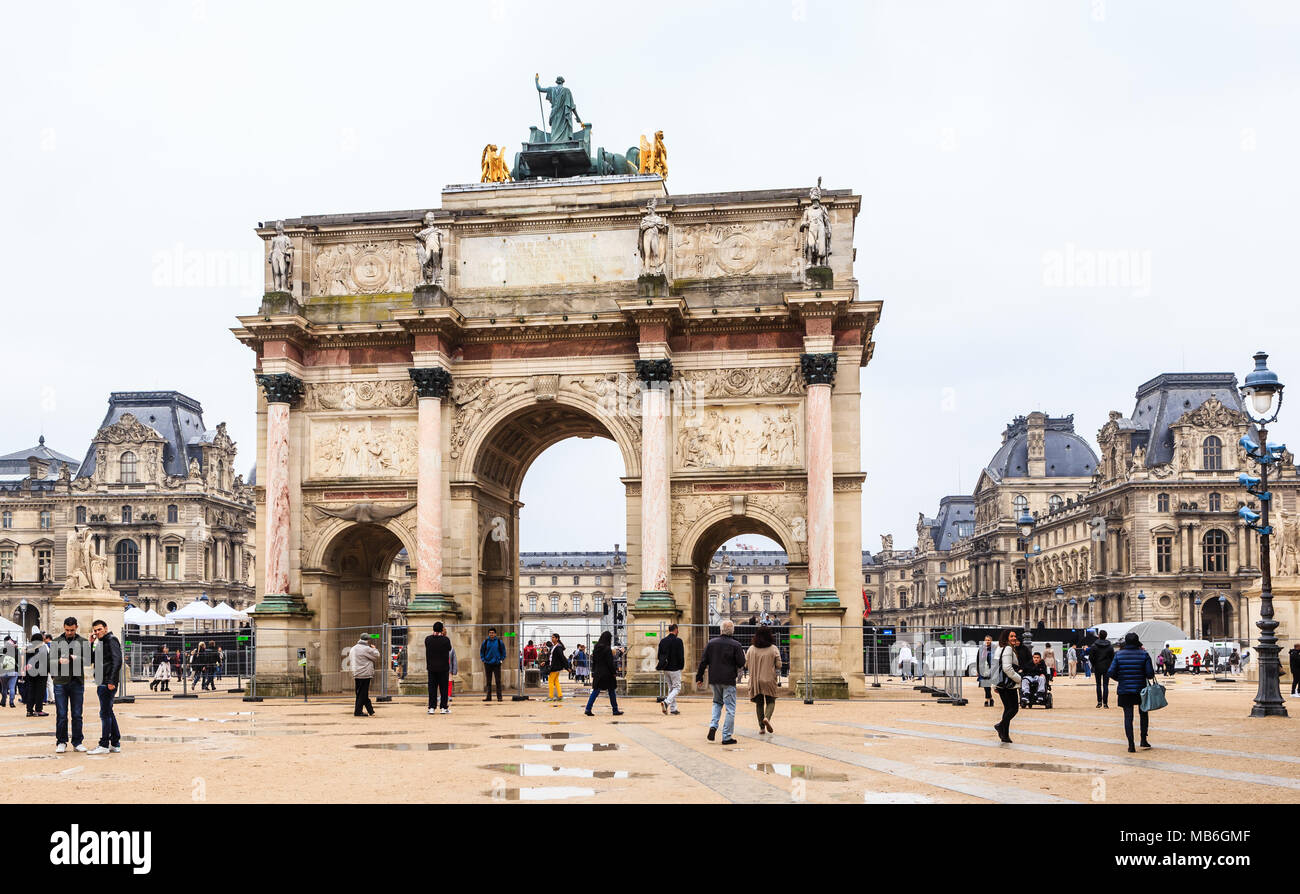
{"x":896,"y":747}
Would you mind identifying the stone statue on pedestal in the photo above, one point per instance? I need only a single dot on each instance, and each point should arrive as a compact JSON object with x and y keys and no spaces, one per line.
{"x":429,"y":251}
{"x":654,"y":230}
{"x":281,"y":260}
{"x":816,"y":225}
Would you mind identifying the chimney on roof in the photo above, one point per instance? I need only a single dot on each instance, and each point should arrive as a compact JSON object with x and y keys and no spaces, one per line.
{"x":37,"y":468}
{"x":1036,"y":441}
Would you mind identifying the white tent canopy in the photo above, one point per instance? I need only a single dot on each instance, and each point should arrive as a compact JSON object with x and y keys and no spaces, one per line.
{"x":223,"y":612}
{"x":197,"y":610}
{"x":1153,"y":634}
{"x":155,"y":619}
{"x":7,"y":627}
{"x":135,"y":616}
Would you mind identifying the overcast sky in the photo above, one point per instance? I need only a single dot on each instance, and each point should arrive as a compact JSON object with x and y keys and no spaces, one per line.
{"x":998,"y":147}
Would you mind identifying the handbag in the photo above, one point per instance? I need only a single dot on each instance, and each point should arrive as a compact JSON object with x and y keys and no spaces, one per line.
{"x":999,"y":679}
{"x":1153,"y":697}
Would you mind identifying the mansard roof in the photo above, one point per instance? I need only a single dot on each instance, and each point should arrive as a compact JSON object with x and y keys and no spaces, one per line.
{"x":1067,"y":454}
{"x":956,"y":520}
{"x":179,"y":419}
{"x":1162,"y":401}
{"x":14,"y":466}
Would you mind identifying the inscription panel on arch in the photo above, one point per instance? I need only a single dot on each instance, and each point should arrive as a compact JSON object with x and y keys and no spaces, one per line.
{"x":487,"y":262}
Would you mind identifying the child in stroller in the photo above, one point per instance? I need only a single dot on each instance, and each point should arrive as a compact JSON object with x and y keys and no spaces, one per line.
{"x":1036,"y":684}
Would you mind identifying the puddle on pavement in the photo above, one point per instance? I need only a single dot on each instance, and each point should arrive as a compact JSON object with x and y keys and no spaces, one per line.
{"x":542,"y":736}
{"x":176,"y":739}
{"x":548,"y":770}
{"x":798,"y":771}
{"x":250,"y":731}
{"x":892,"y":798}
{"x":1013,"y":765}
{"x":576,"y":746}
{"x":549,"y":793}
{"x":415,"y":746}
{"x":553,"y":722}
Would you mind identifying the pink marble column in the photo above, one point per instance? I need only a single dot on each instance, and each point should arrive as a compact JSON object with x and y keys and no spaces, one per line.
{"x":282,"y":391}
{"x":655,"y":512}
{"x":819,"y":374}
{"x":431,"y":385}
{"x":277,"y":499}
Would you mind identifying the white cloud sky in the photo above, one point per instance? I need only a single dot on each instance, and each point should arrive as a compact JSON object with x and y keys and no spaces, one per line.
{"x":982,"y":137}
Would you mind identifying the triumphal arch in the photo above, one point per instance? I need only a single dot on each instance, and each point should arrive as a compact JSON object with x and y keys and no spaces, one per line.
{"x":412,"y":364}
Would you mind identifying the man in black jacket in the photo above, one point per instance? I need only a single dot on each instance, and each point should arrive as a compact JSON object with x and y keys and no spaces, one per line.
{"x":724,"y":659}
{"x":1294,"y":655}
{"x":437,"y":657}
{"x":108,"y":673}
{"x":672,"y":660}
{"x":1103,"y":652}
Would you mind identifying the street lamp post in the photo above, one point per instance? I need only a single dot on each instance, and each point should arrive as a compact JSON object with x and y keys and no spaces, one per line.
{"x":1025,"y":523}
{"x":1074,"y":613}
{"x":1091,"y":600}
{"x":1196,"y":615}
{"x":1262,"y":398}
{"x":1223,"y":618}
{"x":1060,"y":602}
{"x":1142,"y":604}
{"x":731,"y":592}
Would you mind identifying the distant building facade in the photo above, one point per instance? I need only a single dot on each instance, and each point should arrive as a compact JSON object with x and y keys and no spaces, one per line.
{"x":159,"y":493}
{"x":1155,"y":513}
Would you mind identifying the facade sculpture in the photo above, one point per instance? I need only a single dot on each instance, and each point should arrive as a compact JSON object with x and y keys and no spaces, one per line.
{"x":654,"y":238}
{"x":429,"y":251}
{"x":281,"y":260}
{"x":563,"y":109}
{"x":493,"y":165}
{"x":816,"y":227}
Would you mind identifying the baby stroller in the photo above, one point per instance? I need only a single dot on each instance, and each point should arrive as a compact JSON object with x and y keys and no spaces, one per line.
{"x":1040,"y":692}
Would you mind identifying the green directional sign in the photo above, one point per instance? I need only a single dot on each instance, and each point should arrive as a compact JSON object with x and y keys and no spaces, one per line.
{"x":242,"y":639}
{"x":945,"y":636}
{"x":510,"y":633}
{"x":796,"y":636}
{"x":652,"y":633}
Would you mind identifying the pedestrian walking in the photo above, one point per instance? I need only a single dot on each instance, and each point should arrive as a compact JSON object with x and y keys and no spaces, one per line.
{"x":1196,"y":664}
{"x":69,"y":657}
{"x":1131,"y":670}
{"x":36,"y":675}
{"x":905,"y":662}
{"x":437,"y":659}
{"x":492,"y":653}
{"x":1049,"y":659}
{"x":1234,"y":661}
{"x":1085,"y":661}
{"x":984,"y":662}
{"x":1294,"y":656}
{"x":362,"y":659}
{"x":108,"y":674}
{"x":9,"y":672}
{"x":1103,"y":651}
{"x":763,"y":659}
{"x":724,"y":660}
{"x":1008,"y":685}
{"x":1167,"y":660}
{"x":672,"y":661}
{"x":1072,"y":660}
{"x":604,"y":674}
{"x":582,"y":664}
{"x":556,"y":663}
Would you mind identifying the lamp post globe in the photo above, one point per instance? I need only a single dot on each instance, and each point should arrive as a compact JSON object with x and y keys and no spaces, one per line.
{"x":1262,"y":391}
{"x":1142,"y":603}
{"x":1091,"y":600}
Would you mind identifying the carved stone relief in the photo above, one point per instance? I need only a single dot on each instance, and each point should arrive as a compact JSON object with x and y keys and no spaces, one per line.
{"x":362,"y":268}
{"x":363,"y":448}
{"x":742,"y":382}
{"x":386,"y":394}
{"x":472,"y":399}
{"x":732,"y":436}
{"x":713,"y":250}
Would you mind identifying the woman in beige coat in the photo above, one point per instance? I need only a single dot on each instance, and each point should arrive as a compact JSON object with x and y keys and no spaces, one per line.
{"x":763,"y":659}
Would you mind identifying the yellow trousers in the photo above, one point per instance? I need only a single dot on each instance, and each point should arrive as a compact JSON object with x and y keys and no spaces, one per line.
{"x":553,"y":686}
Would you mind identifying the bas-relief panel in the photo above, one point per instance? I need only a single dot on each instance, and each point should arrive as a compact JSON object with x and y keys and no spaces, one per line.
{"x":739,"y":436}
{"x":363,"y":448}
{"x":514,"y":261}
{"x":359,"y":268}
{"x":711,"y":250}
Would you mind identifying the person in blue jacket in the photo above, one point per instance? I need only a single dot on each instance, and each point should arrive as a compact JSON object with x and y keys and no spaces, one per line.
{"x":492,"y":653}
{"x":1131,"y":668}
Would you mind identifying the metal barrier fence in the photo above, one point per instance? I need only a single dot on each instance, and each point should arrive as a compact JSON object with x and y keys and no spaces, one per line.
{"x":184,"y":662}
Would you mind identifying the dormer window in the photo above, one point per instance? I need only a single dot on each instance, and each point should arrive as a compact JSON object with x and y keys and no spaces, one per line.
{"x":1212,"y":454}
{"x":126,"y":467}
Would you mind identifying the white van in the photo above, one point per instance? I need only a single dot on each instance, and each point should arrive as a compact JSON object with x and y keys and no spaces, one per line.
{"x":1183,"y":649}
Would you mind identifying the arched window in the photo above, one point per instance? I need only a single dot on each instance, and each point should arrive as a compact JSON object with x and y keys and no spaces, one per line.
{"x":81,"y":515}
{"x":1054,"y":502}
{"x":1021,"y":503}
{"x":943,"y":567}
{"x":126,"y":466}
{"x":1216,"y":503}
{"x":1212,"y":454}
{"x":128,"y":561}
{"x":1162,"y":502}
{"x":173,"y":514}
{"x":1214,"y":551}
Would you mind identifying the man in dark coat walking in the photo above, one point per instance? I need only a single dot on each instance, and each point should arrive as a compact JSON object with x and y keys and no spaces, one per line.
{"x":437,"y":657}
{"x":1294,"y":655}
{"x":1103,"y":653}
{"x":724,"y":659}
{"x":672,"y":660}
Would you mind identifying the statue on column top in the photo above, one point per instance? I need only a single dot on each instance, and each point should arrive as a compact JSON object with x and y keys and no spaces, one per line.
{"x":816,"y":225}
{"x":429,"y":250}
{"x":281,"y":260}
{"x":653,"y":231}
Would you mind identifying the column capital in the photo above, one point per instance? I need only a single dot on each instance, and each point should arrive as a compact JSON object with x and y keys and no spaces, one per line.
{"x":431,"y":381}
{"x":651,"y":371}
{"x":819,"y":369}
{"x":281,"y":388}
